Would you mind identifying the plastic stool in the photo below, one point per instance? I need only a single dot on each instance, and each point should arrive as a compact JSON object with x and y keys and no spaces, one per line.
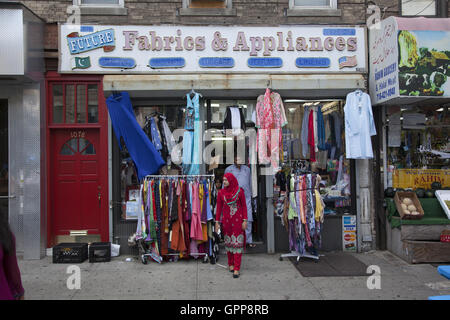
{"x":439,"y":298}
{"x":445,"y":271}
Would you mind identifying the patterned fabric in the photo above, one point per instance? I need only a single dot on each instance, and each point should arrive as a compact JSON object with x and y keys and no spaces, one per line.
{"x":270,"y":114}
{"x":234,"y":244}
{"x":265,"y":122}
{"x":156,"y":139}
{"x":196,"y":225}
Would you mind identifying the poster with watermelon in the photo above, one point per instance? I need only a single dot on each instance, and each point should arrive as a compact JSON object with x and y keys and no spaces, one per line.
{"x":424,"y":63}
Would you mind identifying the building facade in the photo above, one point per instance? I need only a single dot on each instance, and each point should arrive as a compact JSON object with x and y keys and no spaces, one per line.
{"x":95,"y":172}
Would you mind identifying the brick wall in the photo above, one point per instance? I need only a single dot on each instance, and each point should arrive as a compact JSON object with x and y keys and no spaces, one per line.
{"x":156,"y":12}
{"x":148,"y":12}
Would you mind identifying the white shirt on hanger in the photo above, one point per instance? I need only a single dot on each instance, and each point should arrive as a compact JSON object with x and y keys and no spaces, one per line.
{"x":359,"y":126}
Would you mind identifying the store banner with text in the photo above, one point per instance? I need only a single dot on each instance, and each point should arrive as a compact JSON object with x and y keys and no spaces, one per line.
{"x":230,"y":49}
{"x":405,"y":62}
{"x":420,"y":178}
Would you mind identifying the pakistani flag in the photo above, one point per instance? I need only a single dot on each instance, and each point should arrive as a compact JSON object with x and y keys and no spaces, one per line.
{"x":81,"y":62}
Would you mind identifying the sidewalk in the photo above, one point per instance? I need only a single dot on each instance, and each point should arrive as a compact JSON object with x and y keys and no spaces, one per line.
{"x":263,"y":276}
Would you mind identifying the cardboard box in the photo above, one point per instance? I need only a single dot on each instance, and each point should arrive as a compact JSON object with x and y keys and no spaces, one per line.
{"x":398,"y":199}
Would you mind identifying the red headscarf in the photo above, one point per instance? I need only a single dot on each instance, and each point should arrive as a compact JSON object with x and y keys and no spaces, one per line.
{"x":230,"y":193}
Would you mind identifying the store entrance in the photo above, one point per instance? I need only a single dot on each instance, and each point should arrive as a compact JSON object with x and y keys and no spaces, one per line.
{"x":212,"y":113}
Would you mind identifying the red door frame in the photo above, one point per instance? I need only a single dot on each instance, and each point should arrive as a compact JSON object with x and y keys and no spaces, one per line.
{"x":56,"y":78}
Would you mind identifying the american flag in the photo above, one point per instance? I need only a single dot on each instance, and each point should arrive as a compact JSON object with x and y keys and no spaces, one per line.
{"x":347,"y":62}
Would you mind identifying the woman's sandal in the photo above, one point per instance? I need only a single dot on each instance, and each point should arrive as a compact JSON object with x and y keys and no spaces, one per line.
{"x":236,"y":275}
{"x":231,"y":270}
{"x":252,"y":245}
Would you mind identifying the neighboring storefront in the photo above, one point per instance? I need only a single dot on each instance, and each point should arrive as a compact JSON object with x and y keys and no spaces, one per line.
{"x":22,"y":101}
{"x":410,"y":88}
{"x":228,"y":66}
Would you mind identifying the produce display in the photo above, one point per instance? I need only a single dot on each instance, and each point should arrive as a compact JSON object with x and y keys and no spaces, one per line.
{"x":409,"y":208}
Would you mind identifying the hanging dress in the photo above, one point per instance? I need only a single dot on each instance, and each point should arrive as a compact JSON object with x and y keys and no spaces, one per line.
{"x":188,"y":136}
{"x":196,"y":225}
{"x":144,"y":154}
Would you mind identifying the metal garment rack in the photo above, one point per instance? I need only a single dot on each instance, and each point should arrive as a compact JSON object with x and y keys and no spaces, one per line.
{"x":180,"y":176}
{"x":162,"y":176}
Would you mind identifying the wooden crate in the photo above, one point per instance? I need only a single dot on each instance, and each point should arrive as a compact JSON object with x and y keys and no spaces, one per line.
{"x":398,"y":199}
{"x":426,"y":251}
{"x":425,"y":232}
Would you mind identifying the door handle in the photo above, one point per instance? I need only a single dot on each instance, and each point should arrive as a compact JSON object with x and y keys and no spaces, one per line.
{"x":99,"y":199}
{"x":8,"y":197}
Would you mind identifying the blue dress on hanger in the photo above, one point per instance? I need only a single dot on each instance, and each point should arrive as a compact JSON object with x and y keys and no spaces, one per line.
{"x":195,"y":168}
{"x":191,"y":137}
{"x":144,"y":154}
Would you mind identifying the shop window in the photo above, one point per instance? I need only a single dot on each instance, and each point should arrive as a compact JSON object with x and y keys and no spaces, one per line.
{"x":99,"y":3}
{"x":219,"y":108}
{"x":129,"y":182}
{"x":330,"y":161}
{"x":418,"y":8}
{"x":70,"y":103}
{"x":206,"y":3}
{"x":101,"y":7}
{"x":92,"y":103}
{"x":207,"y":8}
{"x":313,"y":4}
{"x":74,"y":103}
{"x":418,"y":148}
{"x":58,"y":104}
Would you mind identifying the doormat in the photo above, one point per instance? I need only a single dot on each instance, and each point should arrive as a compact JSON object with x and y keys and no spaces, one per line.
{"x":333,"y":264}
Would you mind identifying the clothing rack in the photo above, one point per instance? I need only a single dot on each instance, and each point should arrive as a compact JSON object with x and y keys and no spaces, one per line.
{"x":151,"y":177}
{"x":180,"y":176}
{"x":296,"y":254}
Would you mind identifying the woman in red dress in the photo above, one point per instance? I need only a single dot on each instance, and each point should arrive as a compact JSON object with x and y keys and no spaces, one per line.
{"x":232,"y":212}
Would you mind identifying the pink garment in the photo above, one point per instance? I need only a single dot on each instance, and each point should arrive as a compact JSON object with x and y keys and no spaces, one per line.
{"x":279,"y":121}
{"x":311,"y":141}
{"x":264,"y":122}
{"x":270,"y":119}
{"x":196,"y":224}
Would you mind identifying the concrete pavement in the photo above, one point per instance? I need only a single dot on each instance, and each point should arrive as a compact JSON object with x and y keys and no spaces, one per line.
{"x":263,"y":276}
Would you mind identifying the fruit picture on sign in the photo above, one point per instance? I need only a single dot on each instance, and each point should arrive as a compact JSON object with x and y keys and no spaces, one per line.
{"x":424,"y":63}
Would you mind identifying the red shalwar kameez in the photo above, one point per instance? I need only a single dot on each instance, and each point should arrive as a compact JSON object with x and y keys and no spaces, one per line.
{"x":232,"y":211}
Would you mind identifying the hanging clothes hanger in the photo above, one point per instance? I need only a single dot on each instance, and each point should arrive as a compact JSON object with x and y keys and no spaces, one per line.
{"x":193,"y":91}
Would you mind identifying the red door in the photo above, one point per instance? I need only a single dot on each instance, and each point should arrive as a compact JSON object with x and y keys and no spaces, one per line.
{"x":77,"y":197}
{"x":77,"y":131}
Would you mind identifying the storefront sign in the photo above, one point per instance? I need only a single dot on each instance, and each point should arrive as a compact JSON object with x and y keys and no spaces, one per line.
{"x":349,"y":233}
{"x":212,"y":62}
{"x":292,"y":49}
{"x":420,"y":178}
{"x":113,"y":62}
{"x":313,"y":62}
{"x":100,"y":39}
{"x":406,"y":60}
{"x":157,"y":63}
{"x":383,"y":55}
{"x":265,"y":62}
